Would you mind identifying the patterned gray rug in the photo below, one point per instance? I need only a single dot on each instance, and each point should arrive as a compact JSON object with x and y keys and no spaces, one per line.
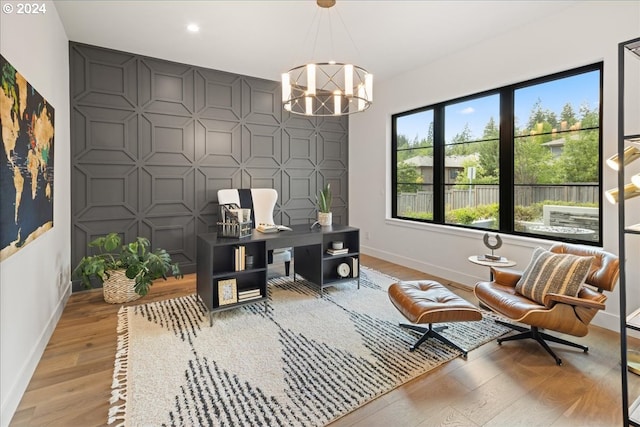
{"x":304,"y":361}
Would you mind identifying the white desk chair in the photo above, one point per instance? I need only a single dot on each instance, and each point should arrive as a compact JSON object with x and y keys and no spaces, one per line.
{"x":261,"y":201}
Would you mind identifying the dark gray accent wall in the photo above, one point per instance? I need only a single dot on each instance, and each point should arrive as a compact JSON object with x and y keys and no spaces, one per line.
{"x":152,"y":141}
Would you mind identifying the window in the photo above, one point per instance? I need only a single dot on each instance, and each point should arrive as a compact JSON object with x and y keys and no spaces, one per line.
{"x":522,"y":159}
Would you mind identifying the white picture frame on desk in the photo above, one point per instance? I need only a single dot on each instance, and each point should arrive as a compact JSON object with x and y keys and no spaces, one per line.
{"x":227,"y":292}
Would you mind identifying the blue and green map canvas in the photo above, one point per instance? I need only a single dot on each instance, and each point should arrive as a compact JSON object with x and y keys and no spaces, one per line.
{"x":26,"y":162}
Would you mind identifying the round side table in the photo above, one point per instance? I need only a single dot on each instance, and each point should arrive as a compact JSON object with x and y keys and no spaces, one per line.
{"x":480,"y":260}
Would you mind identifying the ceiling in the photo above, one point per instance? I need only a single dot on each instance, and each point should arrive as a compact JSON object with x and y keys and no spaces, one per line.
{"x":263,"y":38}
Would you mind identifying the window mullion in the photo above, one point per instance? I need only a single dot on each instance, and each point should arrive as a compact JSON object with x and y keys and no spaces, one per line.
{"x":506,"y":154}
{"x":438,"y":165}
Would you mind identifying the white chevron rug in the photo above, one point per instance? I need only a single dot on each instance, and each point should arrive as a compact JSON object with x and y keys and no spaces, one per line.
{"x":305,"y":360}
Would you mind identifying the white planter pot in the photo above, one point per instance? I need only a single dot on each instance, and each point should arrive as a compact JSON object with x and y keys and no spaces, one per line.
{"x":325,"y":218}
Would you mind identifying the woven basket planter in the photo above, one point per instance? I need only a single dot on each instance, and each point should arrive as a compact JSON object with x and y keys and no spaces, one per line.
{"x":118,"y":288}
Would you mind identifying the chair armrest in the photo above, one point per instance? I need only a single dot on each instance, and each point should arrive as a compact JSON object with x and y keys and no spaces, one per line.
{"x":551,"y":299}
{"x":506,"y":276}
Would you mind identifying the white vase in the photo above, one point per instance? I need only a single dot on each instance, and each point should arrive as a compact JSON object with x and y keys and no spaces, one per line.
{"x":325,"y":218}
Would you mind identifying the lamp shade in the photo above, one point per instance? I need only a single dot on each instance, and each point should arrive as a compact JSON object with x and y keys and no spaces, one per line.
{"x":327,"y":89}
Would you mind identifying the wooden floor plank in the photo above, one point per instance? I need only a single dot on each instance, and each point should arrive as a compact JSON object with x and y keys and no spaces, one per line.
{"x":496,"y":385}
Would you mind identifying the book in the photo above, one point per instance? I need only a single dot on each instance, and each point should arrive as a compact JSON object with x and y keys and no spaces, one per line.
{"x":250,"y":292}
{"x":242,"y":299}
{"x":353,"y":263}
{"x":338,"y":251}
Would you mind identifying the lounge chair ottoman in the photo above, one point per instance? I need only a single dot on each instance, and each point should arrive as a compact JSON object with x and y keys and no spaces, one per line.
{"x":428,"y":302}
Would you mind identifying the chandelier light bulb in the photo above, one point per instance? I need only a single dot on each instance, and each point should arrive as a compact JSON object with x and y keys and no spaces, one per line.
{"x":286,"y":89}
{"x":311,"y":79}
{"x":308,"y":105}
{"x":348,"y":80}
{"x":337,"y":104}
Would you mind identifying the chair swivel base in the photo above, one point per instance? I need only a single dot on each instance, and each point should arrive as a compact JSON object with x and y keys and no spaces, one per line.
{"x":535,"y":334}
{"x":432,"y":332}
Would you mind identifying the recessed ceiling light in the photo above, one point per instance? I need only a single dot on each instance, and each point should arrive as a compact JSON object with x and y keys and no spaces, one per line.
{"x":194,"y":28}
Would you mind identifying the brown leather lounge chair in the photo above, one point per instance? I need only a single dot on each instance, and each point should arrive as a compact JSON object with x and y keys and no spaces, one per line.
{"x":553,"y":310}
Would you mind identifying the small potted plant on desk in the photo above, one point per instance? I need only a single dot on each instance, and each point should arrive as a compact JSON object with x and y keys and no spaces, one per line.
{"x":324,"y":206}
{"x":125,"y":271}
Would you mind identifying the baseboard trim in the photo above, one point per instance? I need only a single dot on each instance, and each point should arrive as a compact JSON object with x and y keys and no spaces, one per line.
{"x":16,"y":391}
{"x":464,"y":280}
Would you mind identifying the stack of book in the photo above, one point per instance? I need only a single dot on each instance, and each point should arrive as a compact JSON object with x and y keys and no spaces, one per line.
{"x":239,"y":256}
{"x":249,"y":295}
{"x":342,"y":251}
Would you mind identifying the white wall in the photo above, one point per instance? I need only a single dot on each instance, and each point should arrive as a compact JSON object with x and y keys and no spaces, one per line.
{"x":583,"y":34}
{"x":35,"y":282}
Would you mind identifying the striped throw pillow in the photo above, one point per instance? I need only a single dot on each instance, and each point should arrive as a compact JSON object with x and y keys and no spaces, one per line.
{"x":549,"y":272}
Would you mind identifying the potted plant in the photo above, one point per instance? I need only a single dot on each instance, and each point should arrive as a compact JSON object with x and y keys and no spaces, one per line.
{"x":324,"y":206}
{"x":125,"y":271}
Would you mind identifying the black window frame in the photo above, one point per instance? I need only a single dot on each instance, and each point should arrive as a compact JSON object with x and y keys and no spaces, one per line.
{"x":506,"y":156}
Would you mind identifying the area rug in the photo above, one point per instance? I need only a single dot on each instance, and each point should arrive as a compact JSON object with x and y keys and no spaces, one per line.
{"x":299,"y":359}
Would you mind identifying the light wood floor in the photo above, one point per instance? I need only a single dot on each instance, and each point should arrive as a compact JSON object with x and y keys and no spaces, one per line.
{"x":516,"y":384}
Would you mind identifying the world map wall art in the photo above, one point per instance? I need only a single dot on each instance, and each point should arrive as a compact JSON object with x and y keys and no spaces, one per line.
{"x":26,"y":162}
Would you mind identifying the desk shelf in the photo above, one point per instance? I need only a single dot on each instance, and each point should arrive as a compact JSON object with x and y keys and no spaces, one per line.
{"x":325,"y":274}
{"x":216,"y":262}
{"x":216,"y":265}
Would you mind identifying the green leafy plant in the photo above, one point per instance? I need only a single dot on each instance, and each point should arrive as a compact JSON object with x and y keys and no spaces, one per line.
{"x":324,"y":199}
{"x":136,"y":258}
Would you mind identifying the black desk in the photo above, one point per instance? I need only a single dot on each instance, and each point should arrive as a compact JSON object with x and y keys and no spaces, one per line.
{"x":222,"y":286}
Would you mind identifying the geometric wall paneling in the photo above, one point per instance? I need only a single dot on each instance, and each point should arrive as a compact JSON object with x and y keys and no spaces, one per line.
{"x":223,"y":143}
{"x":332,"y":150}
{"x":300,"y":150}
{"x":172,"y":140}
{"x":170,"y":85}
{"x":167,"y":190}
{"x":262,"y":102}
{"x":218,"y":95}
{"x":152,"y":142}
{"x":261,"y":146}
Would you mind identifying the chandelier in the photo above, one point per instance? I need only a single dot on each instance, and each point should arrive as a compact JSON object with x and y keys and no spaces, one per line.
{"x":327,"y":88}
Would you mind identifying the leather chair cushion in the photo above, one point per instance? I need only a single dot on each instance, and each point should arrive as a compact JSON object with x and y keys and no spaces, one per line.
{"x":550,"y":272}
{"x":505,"y":300}
{"x":427,"y":301}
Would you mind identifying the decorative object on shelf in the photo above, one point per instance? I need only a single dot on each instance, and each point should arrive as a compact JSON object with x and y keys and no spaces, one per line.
{"x":227,"y":292}
{"x":326,"y":88}
{"x":234,"y":221}
{"x":493,"y":245}
{"x":337,"y":245}
{"x":344,"y":270}
{"x":248,"y":262}
{"x":324,"y":198}
{"x":630,"y":153}
{"x":633,"y":361}
{"x":342,"y":251}
{"x":630,"y":191}
{"x":133,"y":261}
